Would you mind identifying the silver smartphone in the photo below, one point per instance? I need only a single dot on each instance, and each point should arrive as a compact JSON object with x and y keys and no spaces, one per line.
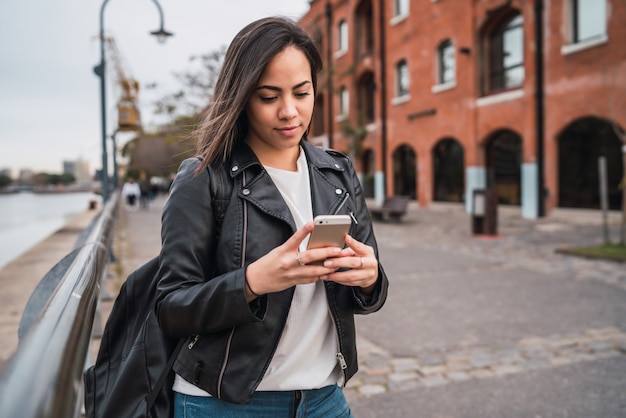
{"x":329,"y":231}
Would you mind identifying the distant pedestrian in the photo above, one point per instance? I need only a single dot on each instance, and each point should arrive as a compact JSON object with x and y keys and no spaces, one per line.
{"x":131,"y":192}
{"x":144,"y":186}
{"x":270,"y":329}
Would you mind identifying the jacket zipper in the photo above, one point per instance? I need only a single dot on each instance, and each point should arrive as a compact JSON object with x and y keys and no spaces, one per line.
{"x":195,"y":340}
{"x":341,"y":204}
{"x":243,"y":263}
{"x":339,"y":355}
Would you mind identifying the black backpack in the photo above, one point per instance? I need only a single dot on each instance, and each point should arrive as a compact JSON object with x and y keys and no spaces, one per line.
{"x":133,"y":349}
{"x":133,"y":376}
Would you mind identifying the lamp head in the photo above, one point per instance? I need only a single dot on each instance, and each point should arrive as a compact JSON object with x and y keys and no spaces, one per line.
{"x":161,"y":35}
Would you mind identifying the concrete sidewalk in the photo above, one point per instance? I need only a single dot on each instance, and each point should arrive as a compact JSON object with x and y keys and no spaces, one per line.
{"x":474,"y":326}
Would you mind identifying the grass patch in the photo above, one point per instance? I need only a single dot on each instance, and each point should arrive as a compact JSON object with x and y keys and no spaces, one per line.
{"x":613,"y":252}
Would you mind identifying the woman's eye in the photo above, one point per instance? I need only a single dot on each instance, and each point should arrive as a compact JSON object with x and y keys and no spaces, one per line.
{"x":268,"y":99}
{"x":303,"y":94}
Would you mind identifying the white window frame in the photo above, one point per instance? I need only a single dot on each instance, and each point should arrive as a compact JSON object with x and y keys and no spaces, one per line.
{"x":445,"y":46}
{"x":344,"y":103}
{"x":342,"y":38}
{"x":402,"y":79}
{"x":576,"y":43}
{"x":401,"y":9}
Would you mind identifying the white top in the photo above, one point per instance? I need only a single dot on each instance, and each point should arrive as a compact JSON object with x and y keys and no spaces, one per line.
{"x":131,"y":189}
{"x":306,"y":354}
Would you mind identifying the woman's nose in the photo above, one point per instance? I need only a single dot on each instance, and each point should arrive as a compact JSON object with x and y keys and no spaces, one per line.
{"x":288,"y":110}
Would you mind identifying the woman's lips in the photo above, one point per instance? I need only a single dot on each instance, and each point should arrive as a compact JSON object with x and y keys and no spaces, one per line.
{"x":288,"y":130}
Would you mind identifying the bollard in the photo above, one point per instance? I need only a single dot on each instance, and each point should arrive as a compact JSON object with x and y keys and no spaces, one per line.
{"x":485,"y":211}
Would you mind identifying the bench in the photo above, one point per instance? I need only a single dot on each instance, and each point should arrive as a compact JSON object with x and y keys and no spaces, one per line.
{"x":394,"y":207}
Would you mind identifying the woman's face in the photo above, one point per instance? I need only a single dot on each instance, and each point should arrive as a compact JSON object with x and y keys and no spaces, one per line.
{"x":280,"y":108}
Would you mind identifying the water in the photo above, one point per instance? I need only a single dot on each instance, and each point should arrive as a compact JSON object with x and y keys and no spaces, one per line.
{"x":28,"y":218}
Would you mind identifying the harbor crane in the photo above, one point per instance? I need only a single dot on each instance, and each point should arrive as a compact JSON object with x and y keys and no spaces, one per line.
{"x":128,"y":115}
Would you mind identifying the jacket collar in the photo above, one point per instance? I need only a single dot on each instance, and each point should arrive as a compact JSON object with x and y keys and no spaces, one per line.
{"x":243,"y":158}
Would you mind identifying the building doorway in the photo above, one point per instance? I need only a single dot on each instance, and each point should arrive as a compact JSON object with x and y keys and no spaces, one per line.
{"x":504,"y":166}
{"x":448,"y":171}
{"x":580,"y":145}
{"x":405,"y":172}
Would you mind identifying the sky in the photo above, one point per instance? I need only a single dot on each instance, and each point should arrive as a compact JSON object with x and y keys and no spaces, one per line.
{"x":49,"y":94}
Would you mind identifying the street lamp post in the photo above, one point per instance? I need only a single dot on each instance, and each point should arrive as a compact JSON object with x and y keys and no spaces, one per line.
{"x":100,"y":71}
{"x":114,"y":151}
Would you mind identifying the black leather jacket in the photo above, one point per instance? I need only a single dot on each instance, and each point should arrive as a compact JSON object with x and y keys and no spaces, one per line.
{"x":202,"y":268}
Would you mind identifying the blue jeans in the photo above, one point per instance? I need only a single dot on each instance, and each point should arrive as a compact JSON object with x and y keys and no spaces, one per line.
{"x":327,"y":402}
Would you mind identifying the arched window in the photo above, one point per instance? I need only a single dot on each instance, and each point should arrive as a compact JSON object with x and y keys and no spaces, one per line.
{"x":505,"y":46}
{"x":318,"y":116}
{"x":402,"y":79}
{"x":364,"y":15}
{"x":446,"y":63}
{"x":366,"y":97}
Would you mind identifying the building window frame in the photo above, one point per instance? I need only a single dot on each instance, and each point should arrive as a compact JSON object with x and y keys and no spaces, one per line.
{"x":401,"y":9}
{"x":587,"y":25}
{"x":344,"y":103}
{"x":402,"y":81}
{"x":446,"y":63}
{"x":342,"y":38}
{"x":505,"y":55}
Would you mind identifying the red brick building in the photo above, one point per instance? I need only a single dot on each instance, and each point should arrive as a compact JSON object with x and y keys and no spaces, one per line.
{"x":437,"y":98}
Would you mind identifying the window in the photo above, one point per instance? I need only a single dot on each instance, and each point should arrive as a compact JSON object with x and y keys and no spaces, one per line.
{"x":364,"y":22}
{"x":344,"y":102}
{"x":343,"y":36}
{"x":318,"y":116}
{"x":588,"y":20}
{"x":402,"y":79}
{"x":506,"y":55}
{"x":401,"y":7}
{"x":367,"y":97}
{"x":446,"y":64}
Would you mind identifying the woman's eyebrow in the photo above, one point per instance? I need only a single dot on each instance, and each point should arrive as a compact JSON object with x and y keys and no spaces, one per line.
{"x":274,"y":88}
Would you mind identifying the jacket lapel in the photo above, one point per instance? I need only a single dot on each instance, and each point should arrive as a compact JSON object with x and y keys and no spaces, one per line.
{"x":260,"y":190}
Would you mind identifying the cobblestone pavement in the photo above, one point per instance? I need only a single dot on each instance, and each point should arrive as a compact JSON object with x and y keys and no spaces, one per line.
{"x":381,"y":372}
{"x":521,"y":245}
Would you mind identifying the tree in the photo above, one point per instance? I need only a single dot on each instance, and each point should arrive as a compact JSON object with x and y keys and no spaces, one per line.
{"x":5,"y":181}
{"x":197,"y":87}
{"x":160,"y":153}
{"x":356,"y":136}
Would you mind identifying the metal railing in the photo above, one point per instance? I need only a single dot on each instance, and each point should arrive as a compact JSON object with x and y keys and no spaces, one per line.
{"x":44,"y":376}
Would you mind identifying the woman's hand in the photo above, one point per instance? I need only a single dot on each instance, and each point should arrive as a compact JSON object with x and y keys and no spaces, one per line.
{"x":285,"y":266}
{"x":361,"y":261}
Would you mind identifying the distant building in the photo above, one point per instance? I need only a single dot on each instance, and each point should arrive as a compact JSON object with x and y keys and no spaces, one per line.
{"x":25,"y":175}
{"x":79,"y":169}
{"x":435,"y":99}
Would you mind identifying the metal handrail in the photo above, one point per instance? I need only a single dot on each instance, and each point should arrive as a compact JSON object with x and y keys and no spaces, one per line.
{"x":44,"y":376}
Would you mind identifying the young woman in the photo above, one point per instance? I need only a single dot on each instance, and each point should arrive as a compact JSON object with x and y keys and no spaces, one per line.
{"x":269,"y":333}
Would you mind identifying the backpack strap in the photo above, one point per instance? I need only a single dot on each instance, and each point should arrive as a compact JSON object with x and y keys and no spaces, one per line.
{"x":219,"y":185}
{"x":163,"y":378}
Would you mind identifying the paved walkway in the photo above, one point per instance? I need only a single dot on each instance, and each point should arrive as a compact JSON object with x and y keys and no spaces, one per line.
{"x":474,"y":326}
{"x":479,"y":326}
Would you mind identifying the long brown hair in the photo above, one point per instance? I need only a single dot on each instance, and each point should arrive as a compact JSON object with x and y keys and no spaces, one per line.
{"x":225,"y":122}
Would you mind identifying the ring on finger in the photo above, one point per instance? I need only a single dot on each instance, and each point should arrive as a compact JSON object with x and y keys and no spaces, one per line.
{"x":298,"y":258}
{"x":362,"y":262}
